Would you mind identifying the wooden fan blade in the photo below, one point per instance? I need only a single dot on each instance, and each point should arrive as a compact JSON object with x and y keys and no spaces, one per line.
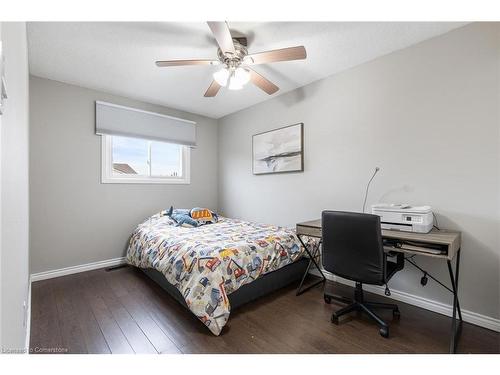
{"x":212,"y":90}
{"x":284,"y":54}
{"x":262,"y":83}
{"x":222,"y":36}
{"x":186,"y":62}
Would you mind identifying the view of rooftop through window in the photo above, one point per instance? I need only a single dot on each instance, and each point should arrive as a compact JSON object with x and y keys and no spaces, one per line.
{"x":146,"y":158}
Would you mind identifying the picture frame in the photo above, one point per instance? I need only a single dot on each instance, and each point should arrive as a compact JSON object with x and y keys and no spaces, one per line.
{"x":279,"y":150}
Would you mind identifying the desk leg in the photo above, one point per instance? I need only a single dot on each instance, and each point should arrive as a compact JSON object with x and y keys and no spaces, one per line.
{"x":455,"y":330}
{"x":312,"y":260}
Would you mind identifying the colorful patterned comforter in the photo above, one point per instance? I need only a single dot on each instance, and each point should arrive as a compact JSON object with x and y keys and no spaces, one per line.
{"x":208,"y":263}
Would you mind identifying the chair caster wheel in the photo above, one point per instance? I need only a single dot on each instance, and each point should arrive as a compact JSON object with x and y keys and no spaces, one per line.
{"x":384,"y":332}
{"x":328,"y":299}
{"x":396,"y":314}
{"x":334,"y":319}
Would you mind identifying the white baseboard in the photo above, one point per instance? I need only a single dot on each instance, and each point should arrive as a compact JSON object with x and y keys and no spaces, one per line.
{"x":425,"y":303}
{"x":77,"y":269}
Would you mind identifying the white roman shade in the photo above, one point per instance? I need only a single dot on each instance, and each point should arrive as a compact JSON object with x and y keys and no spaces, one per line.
{"x":113,"y":119}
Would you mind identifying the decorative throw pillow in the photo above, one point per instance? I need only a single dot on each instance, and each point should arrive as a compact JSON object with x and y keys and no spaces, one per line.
{"x":203,"y":216}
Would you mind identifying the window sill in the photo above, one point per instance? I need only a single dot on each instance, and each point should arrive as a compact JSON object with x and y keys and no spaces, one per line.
{"x":154,"y":181}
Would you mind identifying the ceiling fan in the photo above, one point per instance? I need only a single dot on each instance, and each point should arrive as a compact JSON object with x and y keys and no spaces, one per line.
{"x":233,"y":55}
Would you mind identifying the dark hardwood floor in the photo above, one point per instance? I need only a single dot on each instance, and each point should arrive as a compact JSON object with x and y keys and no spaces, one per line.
{"x":123,"y":311}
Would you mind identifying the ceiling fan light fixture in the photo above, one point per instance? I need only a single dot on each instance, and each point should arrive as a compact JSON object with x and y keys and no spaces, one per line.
{"x":238,"y":78}
{"x":221,"y":76}
{"x":242,"y":75}
{"x":234,"y":84}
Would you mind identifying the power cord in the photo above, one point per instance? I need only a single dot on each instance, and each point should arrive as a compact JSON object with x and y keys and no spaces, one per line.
{"x":425,"y":278}
{"x":436,"y":221}
{"x":368,"y":187}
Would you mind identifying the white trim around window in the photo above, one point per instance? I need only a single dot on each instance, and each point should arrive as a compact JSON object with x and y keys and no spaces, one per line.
{"x":107,"y":176}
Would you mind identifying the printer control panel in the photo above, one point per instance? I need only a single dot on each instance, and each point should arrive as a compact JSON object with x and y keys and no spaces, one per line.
{"x":413,"y":219}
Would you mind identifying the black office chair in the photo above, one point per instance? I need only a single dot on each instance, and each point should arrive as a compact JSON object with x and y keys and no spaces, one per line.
{"x":353,"y":249}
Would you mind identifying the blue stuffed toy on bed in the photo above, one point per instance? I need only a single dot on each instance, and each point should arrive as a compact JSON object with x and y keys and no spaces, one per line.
{"x":182,"y":217}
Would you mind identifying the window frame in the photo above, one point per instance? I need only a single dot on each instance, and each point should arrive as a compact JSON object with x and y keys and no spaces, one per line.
{"x":107,"y":176}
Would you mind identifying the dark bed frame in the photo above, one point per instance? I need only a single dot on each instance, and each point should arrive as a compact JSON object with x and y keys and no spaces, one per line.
{"x":265,"y":284}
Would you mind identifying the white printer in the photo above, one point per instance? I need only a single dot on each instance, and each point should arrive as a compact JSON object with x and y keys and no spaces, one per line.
{"x":404,"y":217}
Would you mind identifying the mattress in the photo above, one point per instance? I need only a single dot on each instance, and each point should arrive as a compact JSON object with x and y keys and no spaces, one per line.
{"x":208,"y":263}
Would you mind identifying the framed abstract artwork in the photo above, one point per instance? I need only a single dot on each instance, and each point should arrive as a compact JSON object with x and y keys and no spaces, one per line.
{"x":279,"y":150}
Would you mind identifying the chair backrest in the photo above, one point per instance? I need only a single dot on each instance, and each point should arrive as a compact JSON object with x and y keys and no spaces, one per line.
{"x":352,"y":246}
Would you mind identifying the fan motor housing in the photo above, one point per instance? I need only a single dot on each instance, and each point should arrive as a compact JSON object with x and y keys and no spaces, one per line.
{"x":234,"y":59}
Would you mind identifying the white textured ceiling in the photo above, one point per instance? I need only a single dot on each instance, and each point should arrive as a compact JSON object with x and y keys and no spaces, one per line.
{"x":119,"y":58}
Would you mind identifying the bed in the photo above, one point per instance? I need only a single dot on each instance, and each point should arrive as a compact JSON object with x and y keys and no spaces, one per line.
{"x":216,"y":267}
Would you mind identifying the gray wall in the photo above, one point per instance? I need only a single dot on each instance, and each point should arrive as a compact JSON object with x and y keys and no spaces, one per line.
{"x":1,"y":183}
{"x":74,"y":218}
{"x":14,"y":189}
{"x":427,"y":115}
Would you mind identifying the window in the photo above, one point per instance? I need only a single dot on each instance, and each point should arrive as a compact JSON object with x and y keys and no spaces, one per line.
{"x":135,"y":160}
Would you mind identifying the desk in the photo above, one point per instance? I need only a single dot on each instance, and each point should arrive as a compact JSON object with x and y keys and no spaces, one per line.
{"x":450,"y":241}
